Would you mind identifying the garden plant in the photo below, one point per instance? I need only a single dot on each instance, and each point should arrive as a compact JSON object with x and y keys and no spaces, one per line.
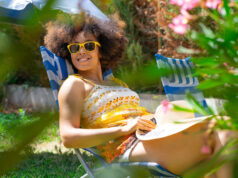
{"x":204,"y":29}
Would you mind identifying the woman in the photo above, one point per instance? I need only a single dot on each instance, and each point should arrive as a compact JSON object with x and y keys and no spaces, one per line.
{"x":106,"y":114}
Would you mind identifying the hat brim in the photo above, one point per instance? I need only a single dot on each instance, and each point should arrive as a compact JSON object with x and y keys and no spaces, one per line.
{"x":169,"y":128}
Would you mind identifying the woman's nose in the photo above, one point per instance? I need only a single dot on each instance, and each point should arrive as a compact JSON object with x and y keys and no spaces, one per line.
{"x":82,"y":50}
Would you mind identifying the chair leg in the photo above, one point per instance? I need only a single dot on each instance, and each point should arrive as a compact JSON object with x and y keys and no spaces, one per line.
{"x":83,"y":162}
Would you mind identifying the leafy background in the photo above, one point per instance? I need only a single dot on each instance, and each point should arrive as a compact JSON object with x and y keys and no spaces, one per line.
{"x":211,"y":41}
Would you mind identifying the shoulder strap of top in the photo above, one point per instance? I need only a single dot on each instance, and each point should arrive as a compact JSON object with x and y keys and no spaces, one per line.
{"x":79,"y":76}
{"x":118,"y":81}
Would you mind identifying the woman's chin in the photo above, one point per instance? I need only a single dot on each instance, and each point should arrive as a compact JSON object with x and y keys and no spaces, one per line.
{"x":83,"y":68}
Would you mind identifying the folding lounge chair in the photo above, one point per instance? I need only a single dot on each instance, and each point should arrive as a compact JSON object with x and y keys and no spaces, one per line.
{"x":180,"y":79}
{"x":57,"y":71}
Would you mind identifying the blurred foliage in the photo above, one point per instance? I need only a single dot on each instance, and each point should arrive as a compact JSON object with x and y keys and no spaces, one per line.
{"x":170,"y":42}
{"x":47,"y":164}
{"x":218,"y":66}
{"x":19,"y":51}
{"x":215,"y":33}
{"x":142,"y":44}
{"x":20,"y":42}
{"x":226,"y":154}
{"x":214,"y":39}
{"x":9,"y":126}
{"x":19,"y":135}
{"x":11,"y":122}
{"x":216,"y":61}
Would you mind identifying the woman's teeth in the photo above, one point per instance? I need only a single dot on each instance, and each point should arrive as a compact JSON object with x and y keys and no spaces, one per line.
{"x":83,"y":60}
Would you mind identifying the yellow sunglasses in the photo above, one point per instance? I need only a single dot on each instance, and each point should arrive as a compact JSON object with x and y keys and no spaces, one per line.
{"x":88,"y":46}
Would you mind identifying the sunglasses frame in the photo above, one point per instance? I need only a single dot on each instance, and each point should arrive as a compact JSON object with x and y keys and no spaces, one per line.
{"x":82,"y":44}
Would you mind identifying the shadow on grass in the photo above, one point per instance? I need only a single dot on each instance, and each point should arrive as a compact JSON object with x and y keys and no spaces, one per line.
{"x":48,"y":164}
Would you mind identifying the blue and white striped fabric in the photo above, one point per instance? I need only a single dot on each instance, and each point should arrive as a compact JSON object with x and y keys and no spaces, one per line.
{"x":180,"y":79}
{"x":57,"y":70}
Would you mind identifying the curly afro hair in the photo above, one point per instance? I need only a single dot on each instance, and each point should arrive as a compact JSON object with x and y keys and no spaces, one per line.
{"x":108,"y":33}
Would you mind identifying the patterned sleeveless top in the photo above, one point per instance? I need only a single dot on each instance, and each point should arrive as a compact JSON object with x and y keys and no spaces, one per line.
{"x":109,"y":106}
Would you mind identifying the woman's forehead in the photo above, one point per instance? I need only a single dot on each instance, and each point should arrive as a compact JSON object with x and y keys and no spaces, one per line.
{"x":83,"y":36}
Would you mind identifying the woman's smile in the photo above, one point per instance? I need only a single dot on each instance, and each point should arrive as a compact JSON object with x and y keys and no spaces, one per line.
{"x":83,"y":59}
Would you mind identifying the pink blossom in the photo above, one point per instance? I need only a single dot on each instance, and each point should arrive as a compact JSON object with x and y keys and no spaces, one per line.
{"x":190,"y":4}
{"x":181,"y":19}
{"x":213,"y":4}
{"x":185,"y":4}
{"x":186,"y":14}
{"x":179,"y":24}
{"x":166,"y":106}
{"x":206,"y":149}
{"x":230,"y":68}
{"x":177,"y":2}
{"x":225,"y":64}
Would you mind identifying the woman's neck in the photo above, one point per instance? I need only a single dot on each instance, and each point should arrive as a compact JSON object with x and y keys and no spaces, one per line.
{"x":93,"y":75}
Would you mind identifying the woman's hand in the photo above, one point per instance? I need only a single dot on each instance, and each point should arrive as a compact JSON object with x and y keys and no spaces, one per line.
{"x":141,"y":123}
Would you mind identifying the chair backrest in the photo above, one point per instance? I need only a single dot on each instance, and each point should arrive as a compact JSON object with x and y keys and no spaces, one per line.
{"x":180,"y":79}
{"x":59,"y":69}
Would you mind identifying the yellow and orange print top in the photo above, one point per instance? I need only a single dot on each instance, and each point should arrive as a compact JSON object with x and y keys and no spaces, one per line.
{"x":110,"y":106}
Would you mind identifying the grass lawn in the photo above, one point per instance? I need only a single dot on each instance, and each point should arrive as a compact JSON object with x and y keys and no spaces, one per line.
{"x":47,"y":164}
{"x":48,"y":157}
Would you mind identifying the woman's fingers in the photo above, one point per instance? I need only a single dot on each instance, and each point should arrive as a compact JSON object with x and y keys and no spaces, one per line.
{"x":130,"y":126}
{"x":139,"y":123}
{"x":143,"y":127}
{"x":147,"y":123}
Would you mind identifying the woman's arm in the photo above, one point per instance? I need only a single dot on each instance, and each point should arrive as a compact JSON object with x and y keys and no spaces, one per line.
{"x":71,"y":100}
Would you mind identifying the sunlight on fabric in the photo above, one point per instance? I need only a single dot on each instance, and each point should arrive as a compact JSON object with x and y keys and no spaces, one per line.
{"x":75,"y":6}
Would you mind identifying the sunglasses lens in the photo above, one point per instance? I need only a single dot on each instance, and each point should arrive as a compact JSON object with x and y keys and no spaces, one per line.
{"x":74,"y":48}
{"x":89,"y":46}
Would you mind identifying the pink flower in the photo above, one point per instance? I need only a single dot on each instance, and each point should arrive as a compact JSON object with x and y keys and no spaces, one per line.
{"x":166,"y":106}
{"x":181,"y":19}
{"x":186,"y":4}
{"x":213,"y":4}
{"x":190,"y":4}
{"x":229,"y":68}
{"x":225,"y":64}
{"x":206,"y":149}
{"x":177,"y":2}
{"x":186,"y":14}
{"x":179,"y":24}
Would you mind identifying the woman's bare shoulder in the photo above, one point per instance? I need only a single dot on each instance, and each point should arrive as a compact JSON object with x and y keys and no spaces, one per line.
{"x":72,"y":87}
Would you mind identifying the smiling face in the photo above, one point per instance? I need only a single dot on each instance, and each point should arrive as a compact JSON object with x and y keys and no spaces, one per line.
{"x":85,"y":60}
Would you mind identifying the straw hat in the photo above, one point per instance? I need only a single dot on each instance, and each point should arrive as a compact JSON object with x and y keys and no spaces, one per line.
{"x":171,"y":122}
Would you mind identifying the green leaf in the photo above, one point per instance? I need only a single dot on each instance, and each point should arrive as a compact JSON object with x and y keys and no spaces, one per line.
{"x":28,"y":132}
{"x":208,"y":84}
{"x":205,"y":61}
{"x":195,"y":104}
{"x":207,"y":31}
{"x":179,"y":108}
{"x":226,"y":7}
{"x":184,"y":50}
{"x":209,"y":71}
